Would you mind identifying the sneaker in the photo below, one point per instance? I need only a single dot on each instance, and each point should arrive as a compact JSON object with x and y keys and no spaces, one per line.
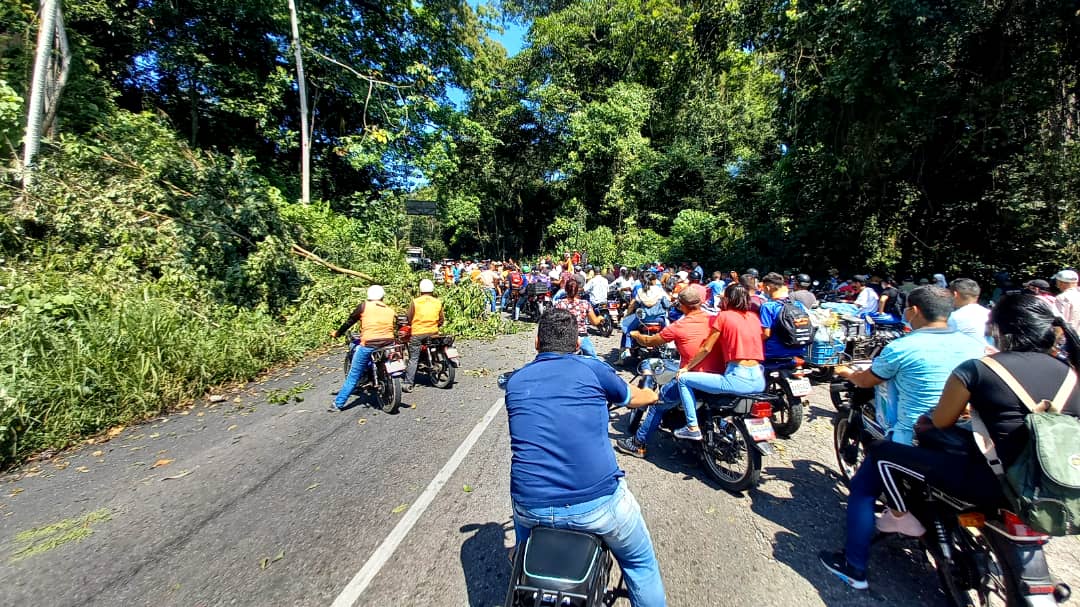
{"x":905,"y":524}
{"x":630,"y":446}
{"x":837,"y":563}
{"x":334,"y":408}
{"x":625,"y":354}
{"x":687,"y":434}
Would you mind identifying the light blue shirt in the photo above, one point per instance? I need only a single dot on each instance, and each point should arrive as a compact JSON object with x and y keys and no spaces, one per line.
{"x":916,"y":367}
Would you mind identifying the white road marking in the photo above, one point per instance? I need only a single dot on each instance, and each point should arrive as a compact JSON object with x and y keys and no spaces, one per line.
{"x":382,"y":554}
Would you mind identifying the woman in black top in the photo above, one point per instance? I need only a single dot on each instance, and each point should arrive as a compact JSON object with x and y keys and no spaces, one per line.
{"x":1023,"y":327}
{"x":1025,"y":330}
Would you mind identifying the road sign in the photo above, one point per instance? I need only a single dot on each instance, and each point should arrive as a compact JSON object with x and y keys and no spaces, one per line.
{"x":420,"y":207}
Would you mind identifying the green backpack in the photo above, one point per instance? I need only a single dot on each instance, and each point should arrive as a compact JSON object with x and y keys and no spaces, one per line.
{"x":1043,"y":484}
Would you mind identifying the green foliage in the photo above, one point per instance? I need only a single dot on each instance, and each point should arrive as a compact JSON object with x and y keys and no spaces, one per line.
{"x":10,"y":115}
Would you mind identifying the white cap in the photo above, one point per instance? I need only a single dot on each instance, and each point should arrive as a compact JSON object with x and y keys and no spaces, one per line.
{"x":684,"y":275}
{"x":375,"y":293}
{"x":1066,"y":276}
{"x":426,"y":286}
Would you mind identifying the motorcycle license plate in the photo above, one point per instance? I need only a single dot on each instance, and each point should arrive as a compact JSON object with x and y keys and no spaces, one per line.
{"x":395,"y":366}
{"x":452,"y":353}
{"x":799,"y":387}
{"x":760,"y":429}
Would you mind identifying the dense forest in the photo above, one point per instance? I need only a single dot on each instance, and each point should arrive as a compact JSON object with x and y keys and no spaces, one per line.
{"x":162,"y":245}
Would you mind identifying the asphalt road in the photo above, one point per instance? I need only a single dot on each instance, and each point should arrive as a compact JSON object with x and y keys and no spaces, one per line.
{"x":245,"y":502}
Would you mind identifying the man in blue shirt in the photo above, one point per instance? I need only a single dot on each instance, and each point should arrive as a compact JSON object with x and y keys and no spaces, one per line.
{"x":776,"y":289}
{"x":716,"y":289}
{"x":563,"y":471}
{"x":917,"y":365}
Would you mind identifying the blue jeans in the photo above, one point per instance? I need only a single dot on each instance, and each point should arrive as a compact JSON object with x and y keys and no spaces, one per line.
{"x":360,"y":360}
{"x":630,"y":323}
{"x":737,"y":379}
{"x":560,"y":294}
{"x":489,"y":299}
{"x":587,"y":347}
{"x":617,"y":520}
{"x":669,"y":399}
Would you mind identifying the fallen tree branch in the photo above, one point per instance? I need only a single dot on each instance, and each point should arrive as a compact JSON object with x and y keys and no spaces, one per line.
{"x":302,"y":252}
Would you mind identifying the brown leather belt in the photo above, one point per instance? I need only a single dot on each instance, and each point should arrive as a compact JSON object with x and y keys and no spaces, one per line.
{"x":748,"y":363}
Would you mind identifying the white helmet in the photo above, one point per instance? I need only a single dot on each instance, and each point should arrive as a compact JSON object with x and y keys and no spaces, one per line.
{"x":426,"y":286}
{"x":375,"y":293}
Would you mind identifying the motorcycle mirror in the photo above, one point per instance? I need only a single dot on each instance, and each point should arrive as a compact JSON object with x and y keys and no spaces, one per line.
{"x":503,"y":379}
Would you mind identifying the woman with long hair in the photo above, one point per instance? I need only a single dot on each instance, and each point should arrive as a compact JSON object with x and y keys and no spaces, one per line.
{"x":583,"y":314}
{"x":1025,"y":330}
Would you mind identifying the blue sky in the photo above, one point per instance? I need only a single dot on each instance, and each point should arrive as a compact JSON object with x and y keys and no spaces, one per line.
{"x":512,"y":39}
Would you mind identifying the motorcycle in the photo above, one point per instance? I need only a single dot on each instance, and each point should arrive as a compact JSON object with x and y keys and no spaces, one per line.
{"x":607,"y":323}
{"x":383,"y":374}
{"x":736,"y":429}
{"x":558,"y":567}
{"x":649,"y":326}
{"x":537,"y":300}
{"x":855,"y":426}
{"x":982,"y":557}
{"x":788,"y":380}
{"x":439,"y":359}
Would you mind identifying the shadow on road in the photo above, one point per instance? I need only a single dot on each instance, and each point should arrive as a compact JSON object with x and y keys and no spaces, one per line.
{"x":484,"y":562}
{"x":813,"y":519}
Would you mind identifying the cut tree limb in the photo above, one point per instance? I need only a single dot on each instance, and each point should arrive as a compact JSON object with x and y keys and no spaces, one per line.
{"x":302,"y":252}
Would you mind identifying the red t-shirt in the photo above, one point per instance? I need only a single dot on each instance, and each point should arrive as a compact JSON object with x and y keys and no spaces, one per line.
{"x":688,"y":333}
{"x":740,"y":337}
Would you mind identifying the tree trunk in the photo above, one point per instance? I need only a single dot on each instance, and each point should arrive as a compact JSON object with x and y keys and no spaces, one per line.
{"x":36,"y":109}
{"x":59,"y":77}
{"x":305,"y":133}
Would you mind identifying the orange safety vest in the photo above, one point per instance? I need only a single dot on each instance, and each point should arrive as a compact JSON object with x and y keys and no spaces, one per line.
{"x":426,"y":310}
{"x":377,"y":322}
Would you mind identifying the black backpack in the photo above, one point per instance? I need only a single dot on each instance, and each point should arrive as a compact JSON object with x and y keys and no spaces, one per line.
{"x":792,"y":326}
{"x":896,"y":306}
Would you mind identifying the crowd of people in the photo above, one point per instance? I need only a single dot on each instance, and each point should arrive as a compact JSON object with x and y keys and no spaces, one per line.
{"x":962,"y":349}
{"x":956,"y":354}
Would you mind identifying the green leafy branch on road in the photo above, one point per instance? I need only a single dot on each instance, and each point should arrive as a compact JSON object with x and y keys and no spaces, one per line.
{"x":281,"y":397}
{"x":42,"y":539}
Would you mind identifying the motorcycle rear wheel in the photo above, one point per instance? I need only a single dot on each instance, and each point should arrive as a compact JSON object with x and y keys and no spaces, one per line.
{"x":729,"y":454}
{"x":607,"y":326}
{"x":389,"y":392}
{"x":788,"y":420}
{"x":442,"y":372}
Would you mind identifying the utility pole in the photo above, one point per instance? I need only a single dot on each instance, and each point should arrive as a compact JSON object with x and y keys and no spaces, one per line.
{"x":36,"y":109}
{"x":305,"y":133}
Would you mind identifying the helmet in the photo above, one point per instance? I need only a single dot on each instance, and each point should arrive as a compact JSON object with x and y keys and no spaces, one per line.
{"x":803,"y":279}
{"x":588,"y":267}
{"x":526,"y":269}
{"x":375,"y":293}
{"x":753,"y":272}
{"x":426,"y":286}
{"x":695,"y":275}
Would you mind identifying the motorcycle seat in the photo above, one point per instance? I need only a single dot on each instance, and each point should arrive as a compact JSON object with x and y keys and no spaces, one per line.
{"x":728,"y":400}
{"x":560,"y":559}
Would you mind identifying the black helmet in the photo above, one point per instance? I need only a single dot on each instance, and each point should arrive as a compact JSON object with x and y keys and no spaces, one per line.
{"x":695,"y":275}
{"x":803,"y":280}
{"x":753,"y":272}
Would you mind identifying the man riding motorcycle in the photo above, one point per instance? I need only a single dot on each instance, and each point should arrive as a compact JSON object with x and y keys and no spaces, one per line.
{"x":562,"y":470}
{"x":425,"y":317}
{"x":376,"y":330}
{"x":1026,"y":331}
{"x":653,"y":300}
